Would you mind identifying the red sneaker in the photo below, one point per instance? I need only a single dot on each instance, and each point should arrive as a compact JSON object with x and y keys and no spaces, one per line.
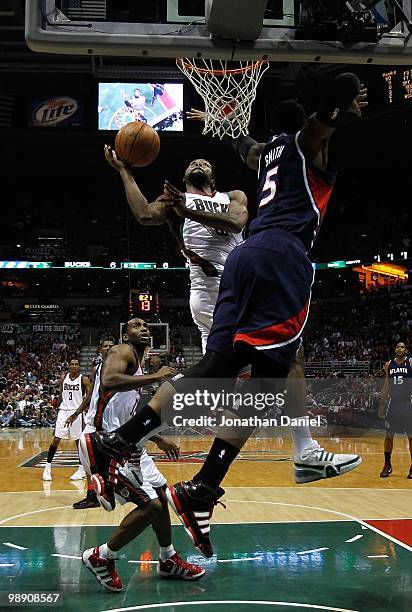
{"x":175,"y":567}
{"x":103,"y":569}
{"x":103,"y":454}
{"x":194,"y":502}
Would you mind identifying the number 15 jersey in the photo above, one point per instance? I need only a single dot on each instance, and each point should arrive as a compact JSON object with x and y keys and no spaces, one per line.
{"x":292,"y":193}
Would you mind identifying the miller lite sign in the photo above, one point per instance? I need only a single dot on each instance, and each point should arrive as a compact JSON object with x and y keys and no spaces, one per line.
{"x":53,"y":111}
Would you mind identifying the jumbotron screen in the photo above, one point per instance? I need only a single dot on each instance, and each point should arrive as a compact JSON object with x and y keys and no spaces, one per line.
{"x":158,"y":104}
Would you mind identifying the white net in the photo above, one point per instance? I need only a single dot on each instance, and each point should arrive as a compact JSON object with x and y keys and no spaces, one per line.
{"x":228,"y":93}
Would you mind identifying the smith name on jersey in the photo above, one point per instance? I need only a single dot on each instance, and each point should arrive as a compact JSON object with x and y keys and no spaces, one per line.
{"x":292,"y":193}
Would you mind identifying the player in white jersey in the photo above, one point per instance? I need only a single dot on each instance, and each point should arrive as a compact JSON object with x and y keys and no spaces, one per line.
{"x":74,"y":388}
{"x":213,"y":246}
{"x":90,"y":405}
{"x":212,"y":227}
{"x":121,"y":378}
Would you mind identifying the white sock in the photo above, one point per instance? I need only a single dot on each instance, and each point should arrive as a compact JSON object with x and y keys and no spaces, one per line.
{"x":48,"y":465}
{"x":166,"y":552}
{"x":106,"y":553}
{"x":302,"y":438}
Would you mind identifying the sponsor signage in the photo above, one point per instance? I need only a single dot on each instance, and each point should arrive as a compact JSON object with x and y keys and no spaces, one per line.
{"x":29,"y":328}
{"x":41,"y":307}
{"x":63,"y":110}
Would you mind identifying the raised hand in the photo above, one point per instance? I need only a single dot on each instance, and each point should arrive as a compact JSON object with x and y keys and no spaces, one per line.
{"x":359,"y":102}
{"x":177,"y":198}
{"x":112,"y":159}
{"x":196,"y":115}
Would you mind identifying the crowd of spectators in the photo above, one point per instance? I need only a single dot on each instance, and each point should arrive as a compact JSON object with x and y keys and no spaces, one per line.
{"x":30,"y":369}
{"x":359,"y":327}
{"x":345,"y":402}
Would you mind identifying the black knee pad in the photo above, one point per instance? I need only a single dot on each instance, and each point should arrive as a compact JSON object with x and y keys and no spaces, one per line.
{"x":265,"y":367}
{"x":205,"y":374}
{"x":212,"y":365}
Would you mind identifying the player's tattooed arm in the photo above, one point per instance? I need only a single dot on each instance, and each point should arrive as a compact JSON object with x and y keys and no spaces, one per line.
{"x":119,"y":360}
{"x":145,"y":213}
{"x":233,"y":221}
{"x":384,"y":393}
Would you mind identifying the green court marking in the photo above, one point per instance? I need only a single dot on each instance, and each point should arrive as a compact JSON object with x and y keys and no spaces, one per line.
{"x":271,"y":571}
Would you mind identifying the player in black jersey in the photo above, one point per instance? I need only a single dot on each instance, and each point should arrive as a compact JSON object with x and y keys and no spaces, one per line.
{"x":263,"y":301}
{"x":398,"y":418}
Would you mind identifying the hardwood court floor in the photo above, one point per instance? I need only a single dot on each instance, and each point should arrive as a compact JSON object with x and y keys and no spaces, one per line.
{"x":343,"y":543}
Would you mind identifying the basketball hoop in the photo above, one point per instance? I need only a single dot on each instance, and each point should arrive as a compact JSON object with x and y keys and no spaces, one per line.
{"x":228,"y":93}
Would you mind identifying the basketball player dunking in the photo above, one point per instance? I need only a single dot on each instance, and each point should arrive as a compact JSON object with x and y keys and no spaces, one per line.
{"x":121,"y":378}
{"x":74,"y":389}
{"x":212,"y":227}
{"x":263,"y":298}
{"x":398,"y":418}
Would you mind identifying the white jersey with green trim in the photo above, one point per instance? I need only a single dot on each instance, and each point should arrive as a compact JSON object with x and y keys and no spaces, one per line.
{"x":213,"y":245}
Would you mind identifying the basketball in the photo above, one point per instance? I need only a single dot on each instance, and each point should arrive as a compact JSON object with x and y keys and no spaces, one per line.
{"x":137,"y":144}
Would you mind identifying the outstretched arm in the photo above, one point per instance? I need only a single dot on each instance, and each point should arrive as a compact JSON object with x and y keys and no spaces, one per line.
{"x":248,"y":149}
{"x":345,"y":95}
{"x":115,"y":366}
{"x":145,"y":213}
{"x":233,"y":221}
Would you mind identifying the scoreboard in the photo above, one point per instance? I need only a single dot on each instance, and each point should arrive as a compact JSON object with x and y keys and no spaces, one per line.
{"x":397,"y":84}
{"x":143,"y":302}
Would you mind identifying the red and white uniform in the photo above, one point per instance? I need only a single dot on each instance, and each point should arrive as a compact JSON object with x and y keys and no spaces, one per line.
{"x":112,"y":409}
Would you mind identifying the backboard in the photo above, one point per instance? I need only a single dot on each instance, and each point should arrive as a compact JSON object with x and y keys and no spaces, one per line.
{"x":50,"y":30}
{"x":159,"y":338}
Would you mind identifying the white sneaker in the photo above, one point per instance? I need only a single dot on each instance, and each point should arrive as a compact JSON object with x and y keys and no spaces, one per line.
{"x":47,"y":473}
{"x":79,"y":474}
{"x":316,"y":463}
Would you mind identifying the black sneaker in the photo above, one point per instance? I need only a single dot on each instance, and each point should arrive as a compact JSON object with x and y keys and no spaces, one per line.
{"x":194,"y":502}
{"x":103,"y":454}
{"x":386,"y":470}
{"x":90,"y":501}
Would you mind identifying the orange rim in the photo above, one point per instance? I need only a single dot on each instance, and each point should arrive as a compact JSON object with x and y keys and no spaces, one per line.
{"x":183,"y":62}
